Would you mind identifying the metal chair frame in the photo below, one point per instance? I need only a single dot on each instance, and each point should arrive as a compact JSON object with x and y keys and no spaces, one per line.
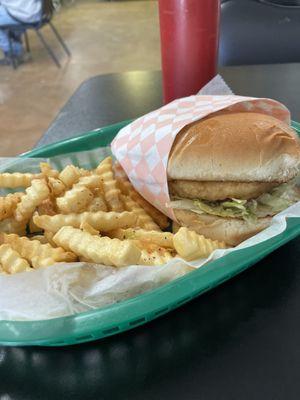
{"x":46,"y":17}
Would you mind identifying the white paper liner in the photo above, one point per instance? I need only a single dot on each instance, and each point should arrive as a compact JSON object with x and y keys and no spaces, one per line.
{"x":216,"y":86}
{"x":66,"y":289}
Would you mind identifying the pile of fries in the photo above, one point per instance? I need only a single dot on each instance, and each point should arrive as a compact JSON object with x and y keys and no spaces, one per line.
{"x":86,"y":215}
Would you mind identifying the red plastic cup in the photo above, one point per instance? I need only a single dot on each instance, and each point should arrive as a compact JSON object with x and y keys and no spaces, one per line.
{"x":189,"y":31}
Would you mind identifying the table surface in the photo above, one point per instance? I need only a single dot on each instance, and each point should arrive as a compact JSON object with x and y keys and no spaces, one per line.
{"x":106,"y":99}
{"x":239,"y":341}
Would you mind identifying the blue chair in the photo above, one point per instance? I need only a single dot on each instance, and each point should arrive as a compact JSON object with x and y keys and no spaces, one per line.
{"x":259,"y":32}
{"x":22,"y":28}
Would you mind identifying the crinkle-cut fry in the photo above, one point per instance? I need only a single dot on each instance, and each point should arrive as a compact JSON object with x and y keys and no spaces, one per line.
{"x":91,"y":181}
{"x":41,"y":238}
{"x":190,"y":246}
{"x":99,"y":192}
{"x":11,"y":260}
{"x":38,"y":254}
{"x":144,"y":220}
{"x":127,"y":188}
{"x":155,"y":257}
{"x":49,"y":237}
{"x":35,"y":194}
{"x":47,"y":171}
{"x":10,"y":225}
{"x":17,"y":179}
{"x":111,"y":191}
{"x":152,"y":247}
{"x":74,"y":200}
{"x":163,"y":239}
{"x":85,"y":226}
{"x":8,"y":204}
{"x":47,"y":207}
{"x":98,"y":202}
{"x":158,"y":217}
{"x":69,"y":176}
{"x":38,"y":262}
{"x":102,"y":221}
{"x":84,"y":172}
{"x":101,"y":250}
{"x":56,"y":186}
{"x":32,"y":227}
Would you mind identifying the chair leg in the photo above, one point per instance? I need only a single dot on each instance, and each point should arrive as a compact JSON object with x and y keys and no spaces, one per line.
{"x":60,"y":39}
{"x":48,"y":48}
{"x":11,"y":52}
{"x":27,"y":46}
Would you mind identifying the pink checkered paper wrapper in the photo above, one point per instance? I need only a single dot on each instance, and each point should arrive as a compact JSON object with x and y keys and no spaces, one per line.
{"x":143,"y":147}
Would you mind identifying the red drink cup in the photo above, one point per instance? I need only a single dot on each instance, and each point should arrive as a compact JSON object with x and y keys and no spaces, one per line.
{"x":189,"y":31}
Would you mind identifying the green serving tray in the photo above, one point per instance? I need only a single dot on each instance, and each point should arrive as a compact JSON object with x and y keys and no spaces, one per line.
{"x":136,"y":311}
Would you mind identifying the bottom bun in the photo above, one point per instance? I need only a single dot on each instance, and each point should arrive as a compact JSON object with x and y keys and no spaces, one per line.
{"x":232,"y":231}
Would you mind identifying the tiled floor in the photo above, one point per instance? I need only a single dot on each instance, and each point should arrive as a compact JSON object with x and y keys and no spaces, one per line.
{"x":104,"y":37}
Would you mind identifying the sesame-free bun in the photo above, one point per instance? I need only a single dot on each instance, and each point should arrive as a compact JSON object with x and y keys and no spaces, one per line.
{"x":232,"y":231}
{"x":243,"y":147}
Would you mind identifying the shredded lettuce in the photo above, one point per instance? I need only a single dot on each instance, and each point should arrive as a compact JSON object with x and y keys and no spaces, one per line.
{"x":185,"y":204}
{"x":228,"y":208}
{"x":267,"y":204}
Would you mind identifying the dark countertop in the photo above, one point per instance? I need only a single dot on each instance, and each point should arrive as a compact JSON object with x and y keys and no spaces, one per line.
{"x":238,"y":342}
{"x":107,"y":99}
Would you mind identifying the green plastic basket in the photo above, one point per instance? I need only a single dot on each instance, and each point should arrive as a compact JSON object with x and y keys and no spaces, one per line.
{"x":136,"y":311}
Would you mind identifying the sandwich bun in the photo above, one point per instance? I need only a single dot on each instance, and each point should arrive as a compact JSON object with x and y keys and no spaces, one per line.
{"x":232,"y":231}
{"x":235,"y":147}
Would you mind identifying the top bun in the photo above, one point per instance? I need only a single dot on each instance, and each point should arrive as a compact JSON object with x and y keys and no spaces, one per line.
{"x":241,"y":146}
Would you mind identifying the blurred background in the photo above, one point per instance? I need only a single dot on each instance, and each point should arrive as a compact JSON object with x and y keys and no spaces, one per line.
{"x":102,"y":36}
{"x":115,"y":36}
